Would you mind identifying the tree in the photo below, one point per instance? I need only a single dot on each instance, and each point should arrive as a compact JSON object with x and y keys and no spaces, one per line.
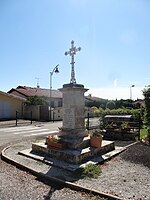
{"x":146,"y":94}
{"x":111,"y":105}
{"x":36,"y":100}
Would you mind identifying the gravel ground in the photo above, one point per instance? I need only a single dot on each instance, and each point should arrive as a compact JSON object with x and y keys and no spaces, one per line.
{"x":126,"y":176}
{"x":16,"y":184}
{"x":19,"y":185}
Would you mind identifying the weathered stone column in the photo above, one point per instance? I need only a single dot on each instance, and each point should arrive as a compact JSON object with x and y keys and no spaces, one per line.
{"x":73,"y":111}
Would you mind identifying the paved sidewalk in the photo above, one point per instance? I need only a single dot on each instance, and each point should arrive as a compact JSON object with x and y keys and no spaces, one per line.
{"x":12,"y":123}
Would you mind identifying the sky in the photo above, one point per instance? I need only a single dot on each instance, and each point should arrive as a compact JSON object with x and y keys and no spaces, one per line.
{"x":114,"y":36}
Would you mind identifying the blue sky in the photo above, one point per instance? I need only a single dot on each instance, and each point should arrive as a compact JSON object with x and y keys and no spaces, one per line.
{"x":114,"y":36}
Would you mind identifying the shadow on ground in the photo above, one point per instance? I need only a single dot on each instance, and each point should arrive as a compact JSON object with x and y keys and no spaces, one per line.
{"x":53,"y":187}
{"x":138,"y":153}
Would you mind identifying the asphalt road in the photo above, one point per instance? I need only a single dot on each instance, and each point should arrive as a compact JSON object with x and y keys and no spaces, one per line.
{"x":12,"y":134}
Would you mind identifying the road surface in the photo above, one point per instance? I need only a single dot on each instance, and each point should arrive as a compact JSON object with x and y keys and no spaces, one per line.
{"x":11,"y":134}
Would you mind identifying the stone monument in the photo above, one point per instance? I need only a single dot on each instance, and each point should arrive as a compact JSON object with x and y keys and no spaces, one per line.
{"x":72,"y":134}
{"x":73,"y":106}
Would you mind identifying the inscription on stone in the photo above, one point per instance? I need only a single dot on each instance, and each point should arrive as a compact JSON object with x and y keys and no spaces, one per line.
{"x":69,"y":118}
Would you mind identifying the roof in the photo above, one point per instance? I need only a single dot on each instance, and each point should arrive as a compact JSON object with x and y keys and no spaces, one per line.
{"x":29,"y":92}
{"x":118,"y":116}
{"x":13,"y":96}
{"x":92,"y":98}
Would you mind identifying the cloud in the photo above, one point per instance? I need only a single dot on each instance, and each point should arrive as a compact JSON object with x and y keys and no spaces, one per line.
{"x":113,"y":93}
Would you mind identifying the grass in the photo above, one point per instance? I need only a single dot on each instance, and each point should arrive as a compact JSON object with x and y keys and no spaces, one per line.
{"x":89,"y":171}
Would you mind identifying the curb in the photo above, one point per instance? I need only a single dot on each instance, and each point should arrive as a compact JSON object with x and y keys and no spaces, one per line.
{"x":56,"y":180}
{"x":129,"y":145}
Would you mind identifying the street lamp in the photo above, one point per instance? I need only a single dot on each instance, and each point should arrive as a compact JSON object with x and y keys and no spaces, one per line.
{"x":50,"y":96}
{"x":131,"y":91}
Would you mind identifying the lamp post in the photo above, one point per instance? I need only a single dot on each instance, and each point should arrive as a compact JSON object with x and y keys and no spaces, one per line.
{"x":131,"y":91}
{"x":50,"y":96}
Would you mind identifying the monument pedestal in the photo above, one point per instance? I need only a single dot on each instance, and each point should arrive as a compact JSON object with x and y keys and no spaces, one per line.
{"x":73,"y":131}
{"x":75,"y":138}
{"x":74,"y":156}
{"x":75,"y":143}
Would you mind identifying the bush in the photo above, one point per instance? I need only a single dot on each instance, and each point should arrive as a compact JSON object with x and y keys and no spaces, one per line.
{"x":89,"y":171}
{"x":120,"y":111}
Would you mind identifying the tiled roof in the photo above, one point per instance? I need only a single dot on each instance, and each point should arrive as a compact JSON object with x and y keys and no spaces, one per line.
{"x":91,"y":98}
{"x":13,"y":96}
{"x":29,"y":91}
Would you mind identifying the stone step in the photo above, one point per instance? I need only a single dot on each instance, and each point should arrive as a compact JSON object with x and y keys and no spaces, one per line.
{"x":70,"y":166}
{"x":75,"y":156}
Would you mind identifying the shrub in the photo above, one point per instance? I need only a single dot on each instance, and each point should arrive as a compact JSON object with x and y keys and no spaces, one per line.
{"x":89,"y":171}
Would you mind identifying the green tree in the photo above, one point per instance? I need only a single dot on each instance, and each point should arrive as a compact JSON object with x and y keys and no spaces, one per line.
{"x":36,"y":100}
{"x":111,"y":105}
{"x":146,"y":94}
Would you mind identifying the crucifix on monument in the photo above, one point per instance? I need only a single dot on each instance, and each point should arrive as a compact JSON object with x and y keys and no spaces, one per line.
{"x":73,"y":136}
{"x":72,"y":52}
{"x":73,"y":105}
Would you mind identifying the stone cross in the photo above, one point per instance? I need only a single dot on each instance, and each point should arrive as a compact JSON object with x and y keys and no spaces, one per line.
{"x":72,"y":52}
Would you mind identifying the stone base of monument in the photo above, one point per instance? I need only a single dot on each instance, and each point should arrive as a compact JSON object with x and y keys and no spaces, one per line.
{"x":74,"y":156}
{"x":40,"y":155}
{"x":75,"y":143}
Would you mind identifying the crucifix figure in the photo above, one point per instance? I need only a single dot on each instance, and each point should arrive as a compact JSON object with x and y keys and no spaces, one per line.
{"x":72,"y":52}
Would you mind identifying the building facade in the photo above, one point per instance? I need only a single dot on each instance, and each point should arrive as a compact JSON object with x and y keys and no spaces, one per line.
{"x":9,"y":104}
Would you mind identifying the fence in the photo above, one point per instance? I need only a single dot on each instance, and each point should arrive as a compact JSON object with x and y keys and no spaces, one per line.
{"x":19,"y":117}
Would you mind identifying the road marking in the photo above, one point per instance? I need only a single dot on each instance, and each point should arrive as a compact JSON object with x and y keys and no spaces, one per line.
{"x":30,"y":131}
{"x":43,"y":133}
{"x":19,"y":129}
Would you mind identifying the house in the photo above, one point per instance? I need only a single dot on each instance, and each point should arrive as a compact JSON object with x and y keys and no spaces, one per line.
{"x":9,"y":104}
{"x":39,"y":112}
{"x":25,"y":92}
{"x":92,"y":98}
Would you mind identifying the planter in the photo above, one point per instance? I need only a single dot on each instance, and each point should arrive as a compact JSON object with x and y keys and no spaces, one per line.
{"x":55,"y":145}
{"x":96,"y":141}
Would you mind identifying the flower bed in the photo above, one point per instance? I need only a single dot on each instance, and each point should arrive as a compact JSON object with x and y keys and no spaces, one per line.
{"x":54,"y":141}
